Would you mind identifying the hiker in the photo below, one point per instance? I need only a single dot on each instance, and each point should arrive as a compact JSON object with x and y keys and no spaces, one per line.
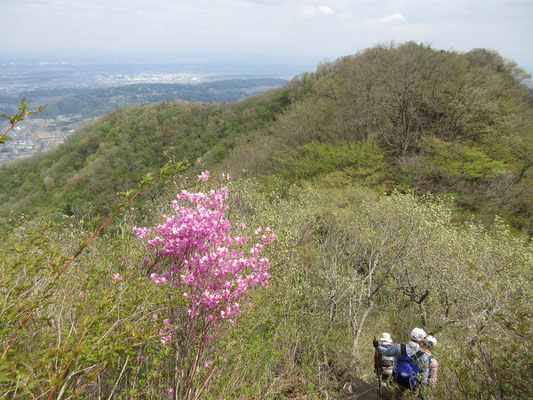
{"x":431,"y":342}
{"x":412,"y":363}
{"x":386,"y":363}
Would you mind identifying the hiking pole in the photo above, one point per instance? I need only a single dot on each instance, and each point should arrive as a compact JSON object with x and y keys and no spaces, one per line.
{"x":377,"y":367}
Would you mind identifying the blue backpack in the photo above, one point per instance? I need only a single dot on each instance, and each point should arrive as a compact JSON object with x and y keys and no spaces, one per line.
{"x":407,"y":372}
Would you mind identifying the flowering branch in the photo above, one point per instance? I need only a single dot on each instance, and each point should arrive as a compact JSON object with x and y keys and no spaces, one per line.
{"x":23,"y":112}
{"x":202,"y":263}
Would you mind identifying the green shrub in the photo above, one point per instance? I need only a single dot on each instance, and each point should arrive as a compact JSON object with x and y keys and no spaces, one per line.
{"x":461,"y":161}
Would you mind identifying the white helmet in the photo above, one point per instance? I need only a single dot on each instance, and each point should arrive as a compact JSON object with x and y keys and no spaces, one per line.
{"x":385,"y":338}
{"x":432,"y":341}
{"x":418,"y":334}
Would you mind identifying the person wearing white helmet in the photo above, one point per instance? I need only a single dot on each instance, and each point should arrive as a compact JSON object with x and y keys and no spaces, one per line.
{"x":418,"y":335}
{"x":386,"y":363}
{"x":431,"y":342}
{"x":413,"y":351}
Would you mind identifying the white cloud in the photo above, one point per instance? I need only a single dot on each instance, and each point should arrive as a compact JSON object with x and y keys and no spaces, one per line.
{"x":396,"y":17}
{"x":325,"y":10}
{"x":318,"y":10}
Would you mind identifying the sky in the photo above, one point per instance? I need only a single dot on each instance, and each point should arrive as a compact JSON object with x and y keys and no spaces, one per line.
{"x":308,"y":30}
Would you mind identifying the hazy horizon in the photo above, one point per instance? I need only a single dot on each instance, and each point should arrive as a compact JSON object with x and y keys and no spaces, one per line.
{"x":272,"y":31}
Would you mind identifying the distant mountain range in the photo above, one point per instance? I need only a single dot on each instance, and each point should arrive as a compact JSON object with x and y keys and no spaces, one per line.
{"x":94,"y":102}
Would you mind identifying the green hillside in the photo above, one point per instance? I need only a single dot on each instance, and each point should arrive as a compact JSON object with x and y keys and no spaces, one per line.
{"x":388,"y":190}
{"x":455,"y":124}
{"x":110,"y":155}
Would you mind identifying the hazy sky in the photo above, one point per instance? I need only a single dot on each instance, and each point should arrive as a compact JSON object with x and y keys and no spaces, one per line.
{"x":319,"y":30}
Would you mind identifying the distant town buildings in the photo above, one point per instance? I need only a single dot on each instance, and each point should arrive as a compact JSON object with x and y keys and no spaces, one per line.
{"x":35,"y":135}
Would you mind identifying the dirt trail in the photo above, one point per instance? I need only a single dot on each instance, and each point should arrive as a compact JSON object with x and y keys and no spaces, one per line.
{"x":364,"y":391}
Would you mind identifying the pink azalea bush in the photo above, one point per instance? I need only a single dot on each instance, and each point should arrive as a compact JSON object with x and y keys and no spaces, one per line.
{"x":201,"y":262}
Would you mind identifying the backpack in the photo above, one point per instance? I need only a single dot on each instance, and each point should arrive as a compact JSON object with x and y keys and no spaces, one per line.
{"x":407,"y":373}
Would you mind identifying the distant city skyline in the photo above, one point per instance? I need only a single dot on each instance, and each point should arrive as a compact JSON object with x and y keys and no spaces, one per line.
{"x":302,"y":32}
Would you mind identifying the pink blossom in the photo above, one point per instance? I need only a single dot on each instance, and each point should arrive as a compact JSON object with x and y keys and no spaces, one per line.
{"x":206,"y":264}
{"x":165,"y":333}
{"x":241,"y":240}
{"x":204,"y":176}
{"x":268,"y":238}
{"x":142,"y":233}
{"x":117,"y":277}
{"x":208,"y":364}
{"x":158,"y":278}
{"x":226,"y":176}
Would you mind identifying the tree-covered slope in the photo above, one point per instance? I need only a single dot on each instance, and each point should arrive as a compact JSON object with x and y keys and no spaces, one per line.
{"x":459,"y":124}
{"x":110,"y":155}
{"x":346,"y":265}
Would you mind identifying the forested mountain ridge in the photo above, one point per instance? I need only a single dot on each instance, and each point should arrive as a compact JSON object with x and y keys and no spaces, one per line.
{"x":271,"y":283}
{"x":456,"y":124}
{"x":68,"y":109}
{"x":88,"y":103}
{"x":100,"y":101}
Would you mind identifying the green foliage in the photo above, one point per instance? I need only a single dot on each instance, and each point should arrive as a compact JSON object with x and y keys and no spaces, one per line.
{"x":82,"y":176}
{"x":21,"y":115}
{"x":311,"y":329}
{"x":461,"y":161}
{"x":361,"y":161}
{"x":324,"y":308}
{"x":438,"y":121}
{"x":113,"y":316}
